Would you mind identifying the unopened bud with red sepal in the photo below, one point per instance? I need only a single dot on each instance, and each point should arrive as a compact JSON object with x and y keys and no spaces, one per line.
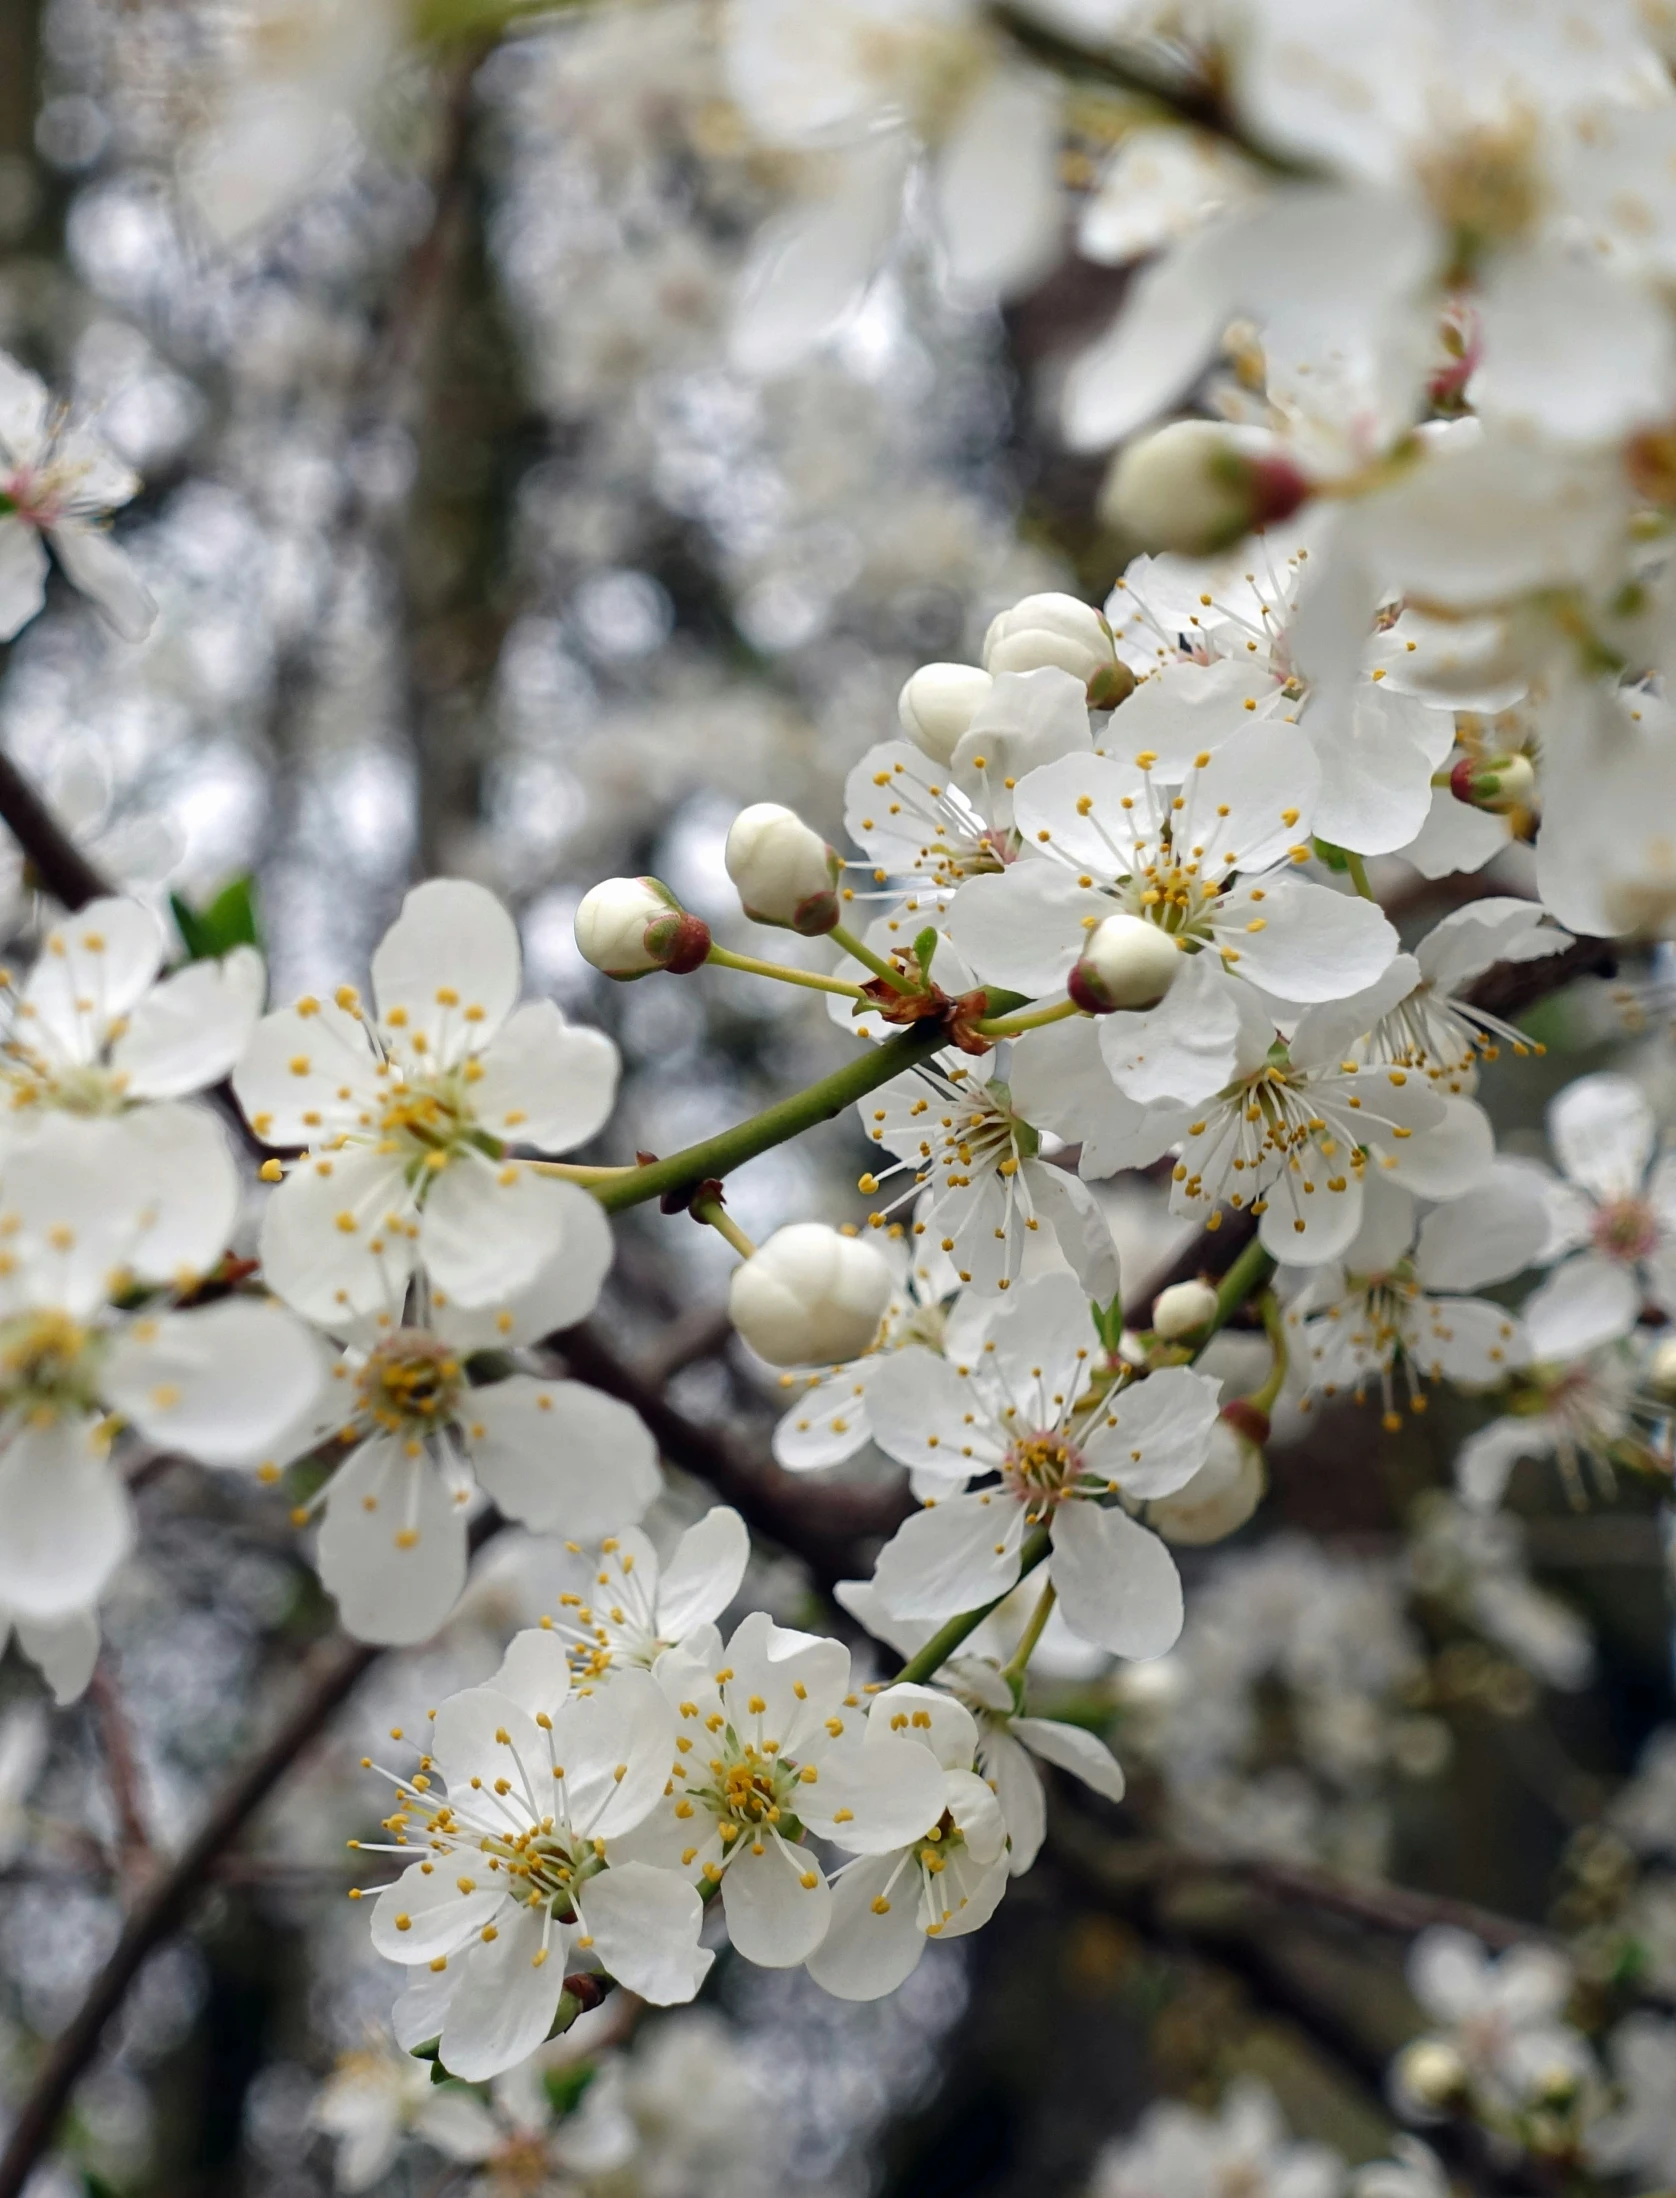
{"x":627,"y":927}
{"x":1197,"y":486}
{"x":1497,"y":783}
{"x":1126,"y":963}
{"x":1227,"y":1488}
{"x":784,"y":871}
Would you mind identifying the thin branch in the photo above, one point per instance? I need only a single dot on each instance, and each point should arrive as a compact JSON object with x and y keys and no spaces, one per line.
{"x":52,"y":854}
{"x":133,"y":1849}
{"x":831,"y":1528}
{"x":1197,"y":103}
{"x":169,"y":1899}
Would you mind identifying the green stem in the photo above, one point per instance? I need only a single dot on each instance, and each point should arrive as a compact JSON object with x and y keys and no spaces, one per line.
{"x":568,"y":1172}
{"x":722,"y":958}
{"x":715,"y":1216}
{"x":1248,"y":1273}
{"x":1274,"y":1327}
{"x":859,"y":951}
{"x":731,"y":1148}
{"x":1359,"y":875}
{"x":948,"y":1638}
{"x":1019,"y":1662}
{"x":1009,"y":1026}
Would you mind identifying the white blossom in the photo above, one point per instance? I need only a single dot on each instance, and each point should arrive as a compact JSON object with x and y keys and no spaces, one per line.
{"x":408,"y":1115}
{"x":631,"y":1607}
{"x":810,"y":1296}
{"x":1047,"y":1445}
{"x":1245,"y":2146}
{"x":59,"y":483}
{"x":1612,"y":1214}
{"x":520,"y":1858}
{"x":944,"y":1882}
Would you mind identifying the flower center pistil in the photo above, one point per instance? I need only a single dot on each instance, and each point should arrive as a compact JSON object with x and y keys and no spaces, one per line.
{"x":1625,"y":1230}
{"x":47,"y":1367}
{"x":1042,"y":1469}
{"x":410,"y":1384}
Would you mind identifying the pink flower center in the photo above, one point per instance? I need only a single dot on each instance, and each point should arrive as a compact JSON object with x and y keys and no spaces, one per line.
{"x":1042,"y":1469}
{"x":33,"y":496}
{"x":1625,"y":1230}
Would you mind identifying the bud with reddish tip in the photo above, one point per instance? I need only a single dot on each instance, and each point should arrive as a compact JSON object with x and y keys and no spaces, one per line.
{"x":1226,"y":1489}
{"x":1183,"y":1309}
{"x":1501,"y":784}
{"x":785,"y":872}
{"x":938,"y":704}
{"x":627,"y":927}
{"x":1127,"y":963}
{"x":1197,"y":486}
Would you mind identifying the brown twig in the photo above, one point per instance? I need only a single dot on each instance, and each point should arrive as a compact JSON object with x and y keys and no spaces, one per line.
{"x":170,"y":1897}
{"x":133,"y":1840}
{"x":52,"y":854}
{"x":831,"y":1528}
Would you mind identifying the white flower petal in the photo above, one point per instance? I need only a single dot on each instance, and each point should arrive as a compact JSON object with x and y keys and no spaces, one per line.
{"x":105,"y":576}
{"x":23,"y":575}
{"x":506,"y":1999}
{"x":67,"y":1521}
{"x":1485,"y":1235}
{"x":222,"y":1382}
{"x":644,"y":1924}
{"x":1018,"y":1788}
{"x":703,"y":1575}
{"x":392,"y":1548}
{"x":1118,"y":1584}
{"x":1584,"y":1303}
{"x":773,"y":1917}
{"x":545,"y":1083}
{"x":191,"y":1030}
{"x":561,"y":1457}
{"x":534,"y":1672}
{"x":1023,"y":927}
{"x":450,"y":969}
{"x":952,"y":1556}
{"x":875,"y":1794}
{"x":1070,"y":1748}
{"x":93,"y":969}
{"x":337,"y":1237}
{"x":615,"y":1747}
{"x":874,"y":1940}
{"x":996,"y":191}
{"x":488,"y":1229}
{"x":440,"y":1917}
{"x":1065,"y":1204}
{"x":1153,"y":1438}
{"x":809,"y":266}
{"x":307,"y":1072}
{"x":564,"y":1292}
{"x":1316,"y":944}
{"x":920,"y":1411}
{"x":1603,"y":1134}
{"x":1184,"y":1049}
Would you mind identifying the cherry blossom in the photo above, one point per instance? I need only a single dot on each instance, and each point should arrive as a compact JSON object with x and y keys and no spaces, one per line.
{"x":769,"y":1743}
{"x":1047,"y":1442}
{"x":632,"y":1607}
{"x":1612,"y":1214}
{"x":409,"y":1114}
{"x":518,"y":1866}
{"x":945,"y":1881}
{"x":59,"y":483}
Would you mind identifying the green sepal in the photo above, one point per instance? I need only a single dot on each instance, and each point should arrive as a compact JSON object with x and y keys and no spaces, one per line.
{"x":565,"y":2087}
{"x":1334,"y":857}
{"x":1108,"y":1323}
{"x":925,"y":946}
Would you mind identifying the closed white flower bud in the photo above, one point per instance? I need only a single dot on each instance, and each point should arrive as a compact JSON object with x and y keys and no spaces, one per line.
{"x":1127,"y":962}
{"x":938,"y":704}
{"x":1431,"y":2073}
{"x":810,"y":1296}
{"x":1183,"y":1309}
{"x":630,"y":926}
{"x":785,"y":872}
{"x":1220,"y":1497}
{"x":1199,"y":485}
{"x":1049,"y":629}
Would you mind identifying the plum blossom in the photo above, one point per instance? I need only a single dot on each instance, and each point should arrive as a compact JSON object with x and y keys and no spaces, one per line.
{"x":99,"y":1211}
{"x":408,"y":1115}
{"x":1245,"y":2146}
{"x":988,"y":1196}
{"x":520,"y":1859}
{"x":423,"y":1438}
{"x":1612,"y":1213}
{"x":944,"y":1882}
{"x":1030,"y":1411}
{"x":1208,"y":858}
{"x":632,"y":1607}
{"x":94,"y":1030}
{"x":1009,"y":1744}
{"x":1389,"y":1308}
{"x":59,"y":483}
{"x":769,"y":1743}
{"x":1501,"y":2019}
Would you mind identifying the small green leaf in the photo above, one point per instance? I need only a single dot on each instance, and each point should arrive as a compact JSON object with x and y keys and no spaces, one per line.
{"x":1108,"y":1322}
{"x":925,"y":946}
{"x":1334,"y":857}
{"x":228,"y":921}
{"x":565,"y":2086}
